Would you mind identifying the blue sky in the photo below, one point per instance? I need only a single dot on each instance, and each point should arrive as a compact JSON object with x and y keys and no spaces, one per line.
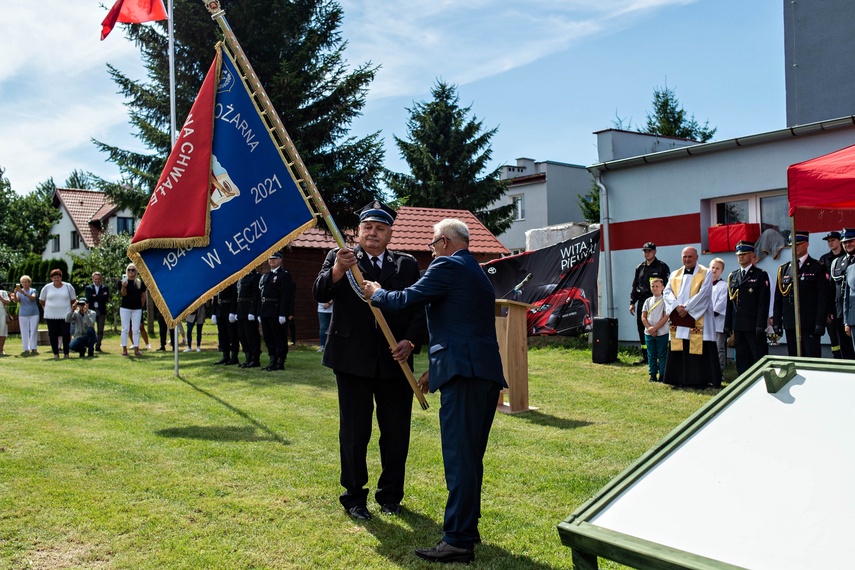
{"x":547,"y":73}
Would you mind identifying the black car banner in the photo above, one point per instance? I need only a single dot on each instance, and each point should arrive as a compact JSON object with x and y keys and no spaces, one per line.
{"x":560,"y":281}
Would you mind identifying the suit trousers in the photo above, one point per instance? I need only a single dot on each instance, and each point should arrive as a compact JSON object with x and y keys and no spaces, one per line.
{"x":810,"y":344}
{"x":847,"y":352}
{"x":275,"y":337}
{"x":749,"y":348}
{"x":468,"y":406}
{"x":250,"y":339}
{"x":356,"y":398}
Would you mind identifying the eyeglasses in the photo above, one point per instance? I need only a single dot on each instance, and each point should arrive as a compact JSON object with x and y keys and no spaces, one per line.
{"x":134,"y":270}
{"x":434,"y":242}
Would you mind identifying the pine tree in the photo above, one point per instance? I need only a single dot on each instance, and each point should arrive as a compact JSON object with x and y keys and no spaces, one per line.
{"x":296,"y":50}
{"x":669,"y":119}
{"x":446,"y":151}
{"x":589,"y":204}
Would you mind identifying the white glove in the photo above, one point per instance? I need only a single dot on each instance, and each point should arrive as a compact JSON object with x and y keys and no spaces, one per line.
{"x":232,"y":317}
{"x":251,"y":317}
{"x":214,"y":319}
{"x":282,"y":320}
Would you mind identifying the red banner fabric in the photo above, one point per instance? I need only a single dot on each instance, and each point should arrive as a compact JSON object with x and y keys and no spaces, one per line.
{"x":132,"y":12}
{"x":179,"y":208}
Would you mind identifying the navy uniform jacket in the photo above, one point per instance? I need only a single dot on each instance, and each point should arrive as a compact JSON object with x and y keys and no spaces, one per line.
{"x":225,"y":302}
{"x":461,"y":318}
{"x":248,"y":295}
{"x":102,"y":298}
{"x":277,"y":294}
{"x":813,"y":287}
{"x":641,"y":281}
{"x":848,"y":293}
{"x":747,"y":300}
{"x":355,"y":343}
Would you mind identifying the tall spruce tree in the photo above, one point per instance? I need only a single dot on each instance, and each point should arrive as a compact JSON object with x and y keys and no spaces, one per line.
{"x":297,"y":51}
{"x":668,"y":118}
{"x":446,"y":151}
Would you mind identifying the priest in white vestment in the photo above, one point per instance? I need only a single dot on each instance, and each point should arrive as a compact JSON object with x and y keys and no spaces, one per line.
{"x":693,"y":356}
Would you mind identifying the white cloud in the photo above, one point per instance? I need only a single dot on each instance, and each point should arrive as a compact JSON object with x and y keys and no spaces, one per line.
{"x":418,"y":40}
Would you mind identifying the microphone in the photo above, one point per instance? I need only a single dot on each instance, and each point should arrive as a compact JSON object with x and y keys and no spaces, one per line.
{"x":522,"y":283}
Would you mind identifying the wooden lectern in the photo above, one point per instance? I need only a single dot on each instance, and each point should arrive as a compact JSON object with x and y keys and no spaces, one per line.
{"x":513,"y":347}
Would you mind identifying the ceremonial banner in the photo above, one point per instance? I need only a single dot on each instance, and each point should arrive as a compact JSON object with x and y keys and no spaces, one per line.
{"x":560,"y":280}
{"x":132,"y":12}
{"x":225,"y":201}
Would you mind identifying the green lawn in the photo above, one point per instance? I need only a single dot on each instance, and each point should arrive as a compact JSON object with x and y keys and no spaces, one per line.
{"x":114,"y":462}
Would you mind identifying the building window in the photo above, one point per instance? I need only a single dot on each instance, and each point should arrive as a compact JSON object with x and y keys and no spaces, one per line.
{"x":54,"y":243}
{"x":75,"y":240}
{"x":768,"y":209}
{"x":125,"y":225}
{"x":519,"y":206}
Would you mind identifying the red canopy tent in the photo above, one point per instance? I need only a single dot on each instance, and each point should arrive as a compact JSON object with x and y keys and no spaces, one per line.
{"x":821,"y":194}
{"x":822,"y":191}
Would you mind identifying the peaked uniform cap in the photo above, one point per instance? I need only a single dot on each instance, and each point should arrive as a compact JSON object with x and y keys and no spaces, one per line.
{"x":744,"y":247}
{"x":377,"y":211}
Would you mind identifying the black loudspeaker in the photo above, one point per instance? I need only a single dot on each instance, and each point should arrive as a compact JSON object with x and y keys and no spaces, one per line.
{"x":605,"y":339}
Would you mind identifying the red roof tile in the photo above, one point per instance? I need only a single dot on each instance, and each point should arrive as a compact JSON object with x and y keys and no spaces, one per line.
{"x":413,"y":231}
{"x":85,"y":207}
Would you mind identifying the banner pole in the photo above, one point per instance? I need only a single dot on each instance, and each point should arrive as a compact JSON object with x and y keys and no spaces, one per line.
{"x":287,"y":145}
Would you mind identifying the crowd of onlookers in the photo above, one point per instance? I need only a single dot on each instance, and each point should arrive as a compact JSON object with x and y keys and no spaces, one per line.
{"x":688,"y":318}
{"x":75,"y":323}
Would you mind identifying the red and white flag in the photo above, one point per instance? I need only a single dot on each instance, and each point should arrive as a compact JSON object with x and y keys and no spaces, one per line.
{"x":132,"y":12}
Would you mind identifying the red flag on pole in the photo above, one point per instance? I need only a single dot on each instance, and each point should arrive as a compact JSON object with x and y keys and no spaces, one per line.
{"x":132,"y":12}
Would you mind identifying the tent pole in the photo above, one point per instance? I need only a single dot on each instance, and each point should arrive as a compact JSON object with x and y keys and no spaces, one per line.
{"x":794,"y":272}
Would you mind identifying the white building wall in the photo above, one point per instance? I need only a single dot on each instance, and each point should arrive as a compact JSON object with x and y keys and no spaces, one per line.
{"x":63,"y":229}
{"x":680,"y":186}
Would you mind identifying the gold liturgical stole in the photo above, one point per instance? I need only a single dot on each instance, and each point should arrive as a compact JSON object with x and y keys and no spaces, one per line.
{"x":696,"y":333}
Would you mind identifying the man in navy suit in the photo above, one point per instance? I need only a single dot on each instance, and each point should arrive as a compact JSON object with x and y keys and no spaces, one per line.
{"x":465,"y":367}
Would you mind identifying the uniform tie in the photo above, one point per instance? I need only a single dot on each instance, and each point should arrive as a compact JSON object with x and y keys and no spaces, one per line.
{"x":376,"y":262}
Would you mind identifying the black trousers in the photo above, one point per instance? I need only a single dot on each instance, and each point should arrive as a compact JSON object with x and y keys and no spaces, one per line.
{"x":100,"y":320}
{"x":357,"y":396}
{"x":839,"y":338}
{"x":275,"y":337}
{"x":250,"y":339}
{"x":749,"y":349}
{"x":227,"y":337}
{"x":810,"y":343}
{"x":640,"y":326}
{"x":58,"y":328}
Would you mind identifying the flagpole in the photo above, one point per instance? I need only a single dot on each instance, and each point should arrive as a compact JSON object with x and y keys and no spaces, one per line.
{"x":173,"y":125}
{"x":286,"y":144}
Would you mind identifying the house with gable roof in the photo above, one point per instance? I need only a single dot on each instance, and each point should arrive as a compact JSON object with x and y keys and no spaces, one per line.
{"x":87,"y":215}
{"x":412,"y":232}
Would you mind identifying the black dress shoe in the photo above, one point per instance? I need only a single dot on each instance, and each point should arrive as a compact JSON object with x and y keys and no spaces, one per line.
{"x":445,"y":553}
{"x":232,"y":361}
{"x":359,"y":513}
{"x":252,"y":364}
{"x":221,"y":361}
{"x":390,"y":509}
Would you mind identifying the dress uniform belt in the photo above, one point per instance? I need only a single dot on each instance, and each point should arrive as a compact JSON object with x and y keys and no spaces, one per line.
{"x":270,"y":300}
{"x":246,"y":300}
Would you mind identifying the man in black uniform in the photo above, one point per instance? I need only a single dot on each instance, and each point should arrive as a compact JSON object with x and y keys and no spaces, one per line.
{"x":248,"y":298}
{"x":651,"y":267}
{"x":225,"y":309}
{"x":837,"y":276}
{"x":366,"y":370}
{"x":835,"y":251}
{"x":813,"y":289}
{"x":276,"y":306}
{"x":747,"y":309}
